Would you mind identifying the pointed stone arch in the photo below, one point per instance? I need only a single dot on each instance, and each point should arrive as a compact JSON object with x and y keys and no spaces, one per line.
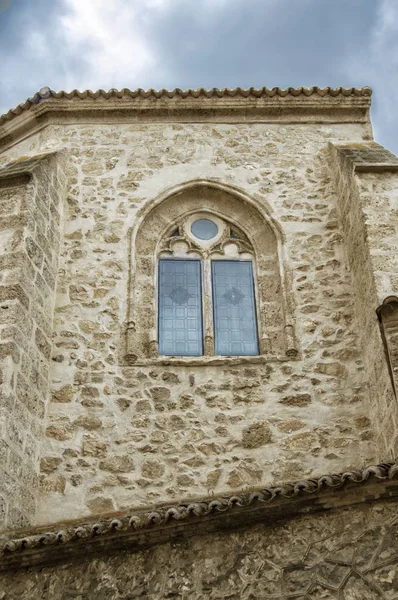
{"x":387,"y":313}
{"x":162,"y":216}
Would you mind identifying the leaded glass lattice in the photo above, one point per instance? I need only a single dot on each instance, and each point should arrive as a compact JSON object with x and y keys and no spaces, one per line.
{"x":180,"y":308}
{"x":235,"y":328}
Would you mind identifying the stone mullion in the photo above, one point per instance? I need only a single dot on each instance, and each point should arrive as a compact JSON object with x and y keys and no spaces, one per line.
{"x":207,"y":304}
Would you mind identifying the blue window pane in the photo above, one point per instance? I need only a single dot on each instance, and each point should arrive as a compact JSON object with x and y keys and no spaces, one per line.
{"x":235,"y":326}
{"x":204,"y":229}
{"x":180,"y":308}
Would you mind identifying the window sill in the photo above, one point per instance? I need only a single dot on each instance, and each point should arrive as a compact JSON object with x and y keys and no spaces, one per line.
{"x":206,"y":361}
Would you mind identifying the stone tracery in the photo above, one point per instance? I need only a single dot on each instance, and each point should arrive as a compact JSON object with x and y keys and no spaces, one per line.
{"x":230,"y":241}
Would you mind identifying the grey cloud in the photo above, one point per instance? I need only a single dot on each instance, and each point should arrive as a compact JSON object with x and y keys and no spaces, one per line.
{"x":209,"y":43}
{"x":4,"y":4}
{"x":256,"y":43}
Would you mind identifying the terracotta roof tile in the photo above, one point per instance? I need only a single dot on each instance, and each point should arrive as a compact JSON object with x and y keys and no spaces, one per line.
{"x":46,"y":94}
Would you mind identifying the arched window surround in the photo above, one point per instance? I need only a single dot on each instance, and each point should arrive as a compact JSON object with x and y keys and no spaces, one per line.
{"x":273,"y":297}
{"x":387,"y":314}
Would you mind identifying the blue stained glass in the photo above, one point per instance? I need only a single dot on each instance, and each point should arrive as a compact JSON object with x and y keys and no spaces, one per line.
{"x":180,"y":308}
{"x":235,"y":326}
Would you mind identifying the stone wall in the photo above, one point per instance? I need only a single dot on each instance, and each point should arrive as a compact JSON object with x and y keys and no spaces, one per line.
{"x":118,"y":435}
{"x":366,"y":200}
{"x":350,"y":554}
{"x":31,"y":202}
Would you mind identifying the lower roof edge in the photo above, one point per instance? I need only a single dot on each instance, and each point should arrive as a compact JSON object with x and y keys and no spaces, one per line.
{"x":135,"y":529}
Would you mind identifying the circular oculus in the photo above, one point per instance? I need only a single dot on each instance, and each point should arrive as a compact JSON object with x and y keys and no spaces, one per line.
{"x":204,"y":229}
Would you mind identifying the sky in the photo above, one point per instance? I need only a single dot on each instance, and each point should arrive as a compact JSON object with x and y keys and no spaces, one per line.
{"x":92,"y":44}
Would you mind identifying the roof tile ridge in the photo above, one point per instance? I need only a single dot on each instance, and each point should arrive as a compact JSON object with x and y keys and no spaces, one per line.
{"x":46,"y":93}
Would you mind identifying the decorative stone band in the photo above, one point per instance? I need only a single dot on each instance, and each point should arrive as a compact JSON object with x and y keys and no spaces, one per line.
{"x":346,"y":104}
{"x":133,"y":530}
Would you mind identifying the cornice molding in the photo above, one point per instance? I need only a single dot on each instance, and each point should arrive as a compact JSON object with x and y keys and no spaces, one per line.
{"x":292,"y":105}
{"x":201,"y":93}
{"x":26,"y":165}
{"x":141,"y":528}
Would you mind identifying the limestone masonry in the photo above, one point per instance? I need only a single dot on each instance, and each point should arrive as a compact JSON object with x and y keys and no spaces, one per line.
{"x":95,"y":423}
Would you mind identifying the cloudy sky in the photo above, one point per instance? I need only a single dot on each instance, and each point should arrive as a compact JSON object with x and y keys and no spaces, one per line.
{"x":67,"y":44}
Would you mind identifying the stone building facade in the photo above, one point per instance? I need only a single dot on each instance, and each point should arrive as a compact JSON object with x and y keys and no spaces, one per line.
{"x":204,"y":472}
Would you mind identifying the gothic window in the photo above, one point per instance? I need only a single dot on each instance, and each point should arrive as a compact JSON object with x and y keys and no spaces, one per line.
{"x":206,"y":283}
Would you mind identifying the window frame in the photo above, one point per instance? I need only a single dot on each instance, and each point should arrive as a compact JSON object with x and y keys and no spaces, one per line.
{"x":158,"y":295}
{"x":207,"y":304}
{"x":254,"y":307}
